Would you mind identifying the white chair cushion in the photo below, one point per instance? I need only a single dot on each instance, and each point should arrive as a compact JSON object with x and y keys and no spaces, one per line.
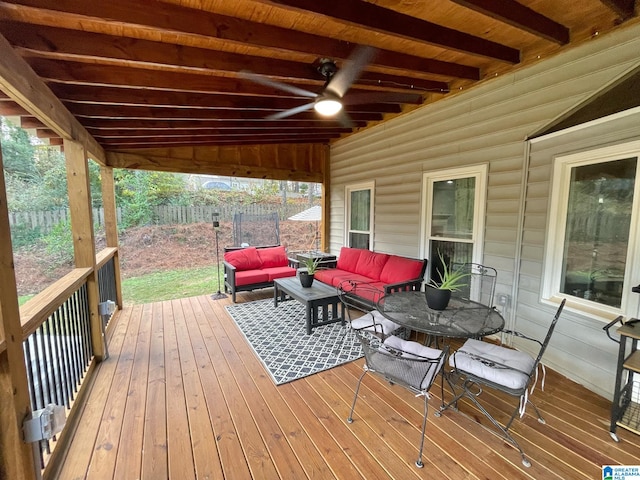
{"x":414,"y":351}
{"x":411,"y":349}
{"x":375,"y":322}
{"x":500,"y":365}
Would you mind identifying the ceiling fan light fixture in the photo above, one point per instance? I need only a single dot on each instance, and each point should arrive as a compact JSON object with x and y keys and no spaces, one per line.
{"x":327,"y":106}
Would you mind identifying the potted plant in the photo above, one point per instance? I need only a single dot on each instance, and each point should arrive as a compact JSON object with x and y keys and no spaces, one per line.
{"x":438,"y":292}
{"x":306,"y":274}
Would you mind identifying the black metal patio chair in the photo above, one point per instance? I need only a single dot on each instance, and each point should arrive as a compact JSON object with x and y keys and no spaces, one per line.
{"x":479,"y":364}
{"x":481,"y":284}
{"x":352,"y":294}
{"x":402,"y":362}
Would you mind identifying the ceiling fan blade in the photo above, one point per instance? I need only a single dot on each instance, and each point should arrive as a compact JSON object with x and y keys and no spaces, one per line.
{"x":267,"y":82}
{"x":290,"y":112}
{"x":349,"y":73}
{"x":344,"y":119}
{"x":381,"y":97}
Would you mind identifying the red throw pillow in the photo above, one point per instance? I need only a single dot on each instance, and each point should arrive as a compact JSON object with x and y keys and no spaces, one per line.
{"x":400,"y":269}
{"x":244,"y":259}
{"x":273,"y":257}
{"x":348,"y":259}
{"x":370,"y":264}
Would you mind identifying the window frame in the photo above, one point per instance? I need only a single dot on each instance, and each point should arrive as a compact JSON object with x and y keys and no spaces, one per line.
{"x":480,"y":173}
{"x":349,"y":189}
{"x":556,"y":232}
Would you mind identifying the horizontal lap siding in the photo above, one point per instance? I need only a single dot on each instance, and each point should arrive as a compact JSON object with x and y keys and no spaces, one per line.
{"x":489,"y":125}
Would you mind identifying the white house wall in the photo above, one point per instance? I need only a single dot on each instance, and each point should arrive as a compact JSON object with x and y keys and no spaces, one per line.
{"x":488,"y":125}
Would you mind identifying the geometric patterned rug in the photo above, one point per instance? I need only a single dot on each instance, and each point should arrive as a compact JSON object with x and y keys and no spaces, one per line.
{"x":278,"y":336}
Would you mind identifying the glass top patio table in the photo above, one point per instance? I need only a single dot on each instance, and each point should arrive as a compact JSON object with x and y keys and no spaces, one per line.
{"x":463,"y":318}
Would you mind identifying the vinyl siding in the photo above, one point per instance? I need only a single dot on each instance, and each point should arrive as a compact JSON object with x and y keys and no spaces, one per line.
{"x":488,"y":125}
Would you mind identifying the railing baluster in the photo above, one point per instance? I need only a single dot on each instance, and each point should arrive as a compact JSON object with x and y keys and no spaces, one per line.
{"x":29,"y":364}
{"x":40,"y":399}
{"x":49,"y":360}
{"x":72,"y":345}
{"x":59,"y":327}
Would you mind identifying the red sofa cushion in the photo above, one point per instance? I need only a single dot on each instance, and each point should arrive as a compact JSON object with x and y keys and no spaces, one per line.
{"x":273,"y":257}
{"x":244,"y":259}
{"x":249,"y":277}
{"x":348,"y":258}
{"x":370,"y":264}
{"x":279,"y":272}
{"x":400,"y":269}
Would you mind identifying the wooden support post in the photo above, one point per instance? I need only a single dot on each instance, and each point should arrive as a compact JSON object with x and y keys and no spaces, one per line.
{"x":111,"y":224}
{"x":16,"y":458}
{"x":82,"y":232}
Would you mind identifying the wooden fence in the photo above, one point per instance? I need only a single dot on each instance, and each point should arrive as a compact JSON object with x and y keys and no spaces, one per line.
{"x":163,"y":215}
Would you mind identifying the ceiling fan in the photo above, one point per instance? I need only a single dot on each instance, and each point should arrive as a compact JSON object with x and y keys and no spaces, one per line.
{"x":330,"y":101}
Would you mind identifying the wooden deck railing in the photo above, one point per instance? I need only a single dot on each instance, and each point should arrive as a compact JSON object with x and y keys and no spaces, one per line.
{"x":57,"y":339}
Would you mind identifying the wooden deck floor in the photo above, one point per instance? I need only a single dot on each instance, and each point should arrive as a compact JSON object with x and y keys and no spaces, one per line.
{"x":183,"y":396}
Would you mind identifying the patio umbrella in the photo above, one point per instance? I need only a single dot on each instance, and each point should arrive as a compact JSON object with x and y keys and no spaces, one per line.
{"x":313,"y":214}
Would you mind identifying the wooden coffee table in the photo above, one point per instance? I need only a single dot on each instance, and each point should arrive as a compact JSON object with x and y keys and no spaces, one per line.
{"x":317,"y":299}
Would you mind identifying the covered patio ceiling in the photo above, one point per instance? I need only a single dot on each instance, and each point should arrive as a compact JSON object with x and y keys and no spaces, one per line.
{"x":143,"y":77}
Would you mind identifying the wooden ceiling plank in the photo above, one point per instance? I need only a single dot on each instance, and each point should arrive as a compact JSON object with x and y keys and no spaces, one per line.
{"x":198,"y":22}
{"x":625,"y":8}
{"x":520,"y":16}
{"x":373,"y":17}
{"x":20,"y":82}
{"x":74,"y":44}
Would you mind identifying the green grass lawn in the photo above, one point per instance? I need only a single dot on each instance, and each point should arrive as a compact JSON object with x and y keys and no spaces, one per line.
{"x":171,"y":284}
{"x":166,"y":285}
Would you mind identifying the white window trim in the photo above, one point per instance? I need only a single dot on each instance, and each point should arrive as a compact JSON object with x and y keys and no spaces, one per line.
{"x":556,"y":230}
{"x":480,"y":172}
{"x":354,"y":188}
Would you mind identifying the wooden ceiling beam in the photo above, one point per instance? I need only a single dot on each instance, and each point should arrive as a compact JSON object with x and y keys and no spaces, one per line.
{"x":110,"y":75}
{"x":73,"y":45}
{"x":200,"y":23}
{"x":176,"y":133}
{"x":519,"y":16}
{"x":295,"y":162}
{"x":233,"y":142}
{"x":166,"y":113}
{"x":20,"y":82}
{"x":230,"y":138}
{"x":373,"y":17}
{"x":87,"y":94}
{"x":27,"y":122}
{"x":625,"y":8}
{"x":112,"y":123}
{"x":9,"y":108}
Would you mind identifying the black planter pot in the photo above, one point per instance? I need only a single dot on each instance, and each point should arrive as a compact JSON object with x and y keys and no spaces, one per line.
{"x":306,"y":280}
{"x":437,"y":299}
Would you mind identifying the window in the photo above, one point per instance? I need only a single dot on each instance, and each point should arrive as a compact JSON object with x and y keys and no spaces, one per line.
{"x":359,"y":228}
{"x":593,"y":237}
{"x":454,"y":216}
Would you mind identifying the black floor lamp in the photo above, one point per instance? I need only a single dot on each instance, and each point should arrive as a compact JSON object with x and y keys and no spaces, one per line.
{"x":216,"y":227}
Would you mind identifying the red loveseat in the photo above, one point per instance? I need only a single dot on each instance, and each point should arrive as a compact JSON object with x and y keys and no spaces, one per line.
{"x":251,"y":268}
{"x":385,"y":273}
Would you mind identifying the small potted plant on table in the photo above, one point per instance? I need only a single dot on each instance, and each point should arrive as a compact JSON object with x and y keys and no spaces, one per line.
{"x":306,"y":274}
{"x":438,"y":292}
